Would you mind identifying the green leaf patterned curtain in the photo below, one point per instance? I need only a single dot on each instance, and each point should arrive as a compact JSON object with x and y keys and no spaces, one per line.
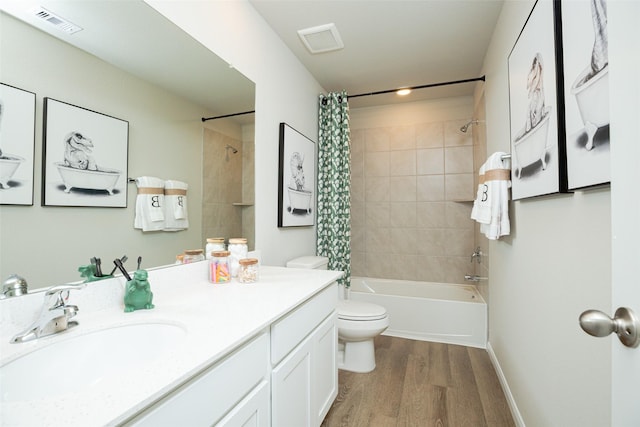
{"x":334,"y":180}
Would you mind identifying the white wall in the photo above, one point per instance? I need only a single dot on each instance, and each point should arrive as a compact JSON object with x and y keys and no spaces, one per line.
{"x":47,"y":244}
{"x":285,"y":92}
{"x":555,"y":265}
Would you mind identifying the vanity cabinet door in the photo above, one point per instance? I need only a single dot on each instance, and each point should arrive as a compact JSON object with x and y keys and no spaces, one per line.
{"x":305,"y":384}
{"x":291,"y":389}
{"x":304,"y":381}
{"x":252,"y":411}
{"x":324,"y":367}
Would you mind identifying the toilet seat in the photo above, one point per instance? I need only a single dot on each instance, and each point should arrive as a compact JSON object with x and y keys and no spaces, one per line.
{"x":360,"y":311}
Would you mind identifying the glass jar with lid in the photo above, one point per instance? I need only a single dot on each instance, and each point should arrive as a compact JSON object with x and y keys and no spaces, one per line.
{"x":193,"y":255}
{"x":238,"y":250}
{"x":214,"y":244}
{"x":219,"y":267}
{"x":248,"y":272}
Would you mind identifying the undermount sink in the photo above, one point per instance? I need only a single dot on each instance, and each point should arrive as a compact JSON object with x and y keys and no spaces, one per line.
{"x":85,"y":361}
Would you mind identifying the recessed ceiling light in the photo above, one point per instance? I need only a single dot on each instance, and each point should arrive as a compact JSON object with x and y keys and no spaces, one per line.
{"x":323,"y":38}
{"x":403,"y":92}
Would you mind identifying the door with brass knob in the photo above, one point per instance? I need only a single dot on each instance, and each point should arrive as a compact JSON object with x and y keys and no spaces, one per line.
{"x":624,"y":323}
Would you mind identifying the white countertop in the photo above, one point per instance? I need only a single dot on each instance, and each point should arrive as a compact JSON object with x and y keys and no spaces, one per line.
{"x":217,"y":318}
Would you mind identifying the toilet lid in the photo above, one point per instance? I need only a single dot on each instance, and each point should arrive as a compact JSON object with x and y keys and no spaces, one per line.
{"x":358,"y":310}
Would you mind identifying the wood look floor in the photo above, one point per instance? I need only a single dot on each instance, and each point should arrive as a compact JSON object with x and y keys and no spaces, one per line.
{"x":419,"y":383}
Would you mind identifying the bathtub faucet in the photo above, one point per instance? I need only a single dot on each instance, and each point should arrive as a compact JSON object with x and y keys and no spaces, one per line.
{"x":474,"y":278}
{"x":477,"y":255}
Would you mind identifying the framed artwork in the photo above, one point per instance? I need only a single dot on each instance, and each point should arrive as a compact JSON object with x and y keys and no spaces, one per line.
{"x":586,"y":92}
{"x":536,"y":111}
{"x":296,"y":179}
{"x":17,"y":144}
{"x":85,"y":157}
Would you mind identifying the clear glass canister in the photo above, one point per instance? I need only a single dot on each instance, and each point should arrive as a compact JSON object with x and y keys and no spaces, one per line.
{"x":248,"y":270}
{"x":193,"y":255}
{"x":214,"y":244}
{"x":219,"y":271}
{"x":238,"y":248}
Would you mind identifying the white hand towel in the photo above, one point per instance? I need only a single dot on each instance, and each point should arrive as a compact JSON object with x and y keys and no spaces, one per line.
{"x":175,"y":197}
{"x":149,"y":204}
{"x":491,"y":207}
{"x":481,"y":211}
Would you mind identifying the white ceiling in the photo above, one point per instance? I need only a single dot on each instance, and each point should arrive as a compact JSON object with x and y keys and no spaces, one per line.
{"x":134,"y":37}
{"x":390,"y":43}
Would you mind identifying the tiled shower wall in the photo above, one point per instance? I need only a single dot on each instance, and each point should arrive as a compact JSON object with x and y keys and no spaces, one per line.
{"x":222,"y":186}
{"x":229,"y":185}
{"x":411,"y":192}
{"x":248,"y":184}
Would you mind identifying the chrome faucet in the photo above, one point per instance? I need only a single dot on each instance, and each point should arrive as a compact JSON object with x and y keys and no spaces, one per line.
{"x":55,"y":314}
{"x":14,"y":286}
{"x":477,"y":255}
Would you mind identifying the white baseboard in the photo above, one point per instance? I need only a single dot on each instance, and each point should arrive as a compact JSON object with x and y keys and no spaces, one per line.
{"x":517,"y":418}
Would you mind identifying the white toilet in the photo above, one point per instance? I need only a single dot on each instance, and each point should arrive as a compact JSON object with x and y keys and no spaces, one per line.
{"x":358,"y":324}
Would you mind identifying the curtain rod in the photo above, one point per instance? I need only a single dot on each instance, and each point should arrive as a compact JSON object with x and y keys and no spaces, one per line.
{"x":453,"y":82}
{"x":204,"y":119}
{"x":380,"y":92}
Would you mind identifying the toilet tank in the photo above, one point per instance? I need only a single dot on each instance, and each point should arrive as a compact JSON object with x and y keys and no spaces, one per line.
{"x":311,"y":262}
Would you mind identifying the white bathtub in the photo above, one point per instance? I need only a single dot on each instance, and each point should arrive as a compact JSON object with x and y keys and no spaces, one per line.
{"x":299,"y":200}
{"x":592,"y":96}
{"x":532,"y":146}
{"x":104,"y":179}
{"x":439,"y":312}
{"x":8,"y":165}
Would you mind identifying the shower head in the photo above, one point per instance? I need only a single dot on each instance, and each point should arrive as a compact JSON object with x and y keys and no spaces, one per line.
{"x":234,"y":150}
{"x":465,"y":128}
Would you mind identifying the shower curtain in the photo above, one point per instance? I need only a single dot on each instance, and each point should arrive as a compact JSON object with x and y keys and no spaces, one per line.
{"x":334,"y":176}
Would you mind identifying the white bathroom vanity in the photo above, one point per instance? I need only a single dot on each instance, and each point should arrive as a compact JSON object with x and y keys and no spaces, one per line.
{"x":230,"y":354}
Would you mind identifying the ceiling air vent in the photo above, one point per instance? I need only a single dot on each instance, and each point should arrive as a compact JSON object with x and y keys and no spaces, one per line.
{"x":55,"y":20}
{"x":323,"y":38}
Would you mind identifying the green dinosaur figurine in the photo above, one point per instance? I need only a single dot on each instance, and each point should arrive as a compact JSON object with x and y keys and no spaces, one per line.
{"x":89,"y":273}
{"x":138,"y":295}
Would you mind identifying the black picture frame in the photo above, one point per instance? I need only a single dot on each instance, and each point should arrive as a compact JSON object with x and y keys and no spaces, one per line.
{"x":296,"y":179}
{"x":586,"y":92}
{"x":85,"y":157}
{"x":17,"y":145}
{"x":536,"y":105}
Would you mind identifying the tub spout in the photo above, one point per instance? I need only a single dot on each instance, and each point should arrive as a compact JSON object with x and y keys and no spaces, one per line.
{"x":474,"y":278}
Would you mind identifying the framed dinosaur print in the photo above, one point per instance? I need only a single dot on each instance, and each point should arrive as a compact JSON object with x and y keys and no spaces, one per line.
{"x":536,"y":113}
{"x":296,"y":179}
{"x":17,"y":143}
{"x":85,"y":157}
{"x":586,"y":90}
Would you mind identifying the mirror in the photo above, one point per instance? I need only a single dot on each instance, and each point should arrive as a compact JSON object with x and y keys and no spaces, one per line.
{"x":179,"y":82}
